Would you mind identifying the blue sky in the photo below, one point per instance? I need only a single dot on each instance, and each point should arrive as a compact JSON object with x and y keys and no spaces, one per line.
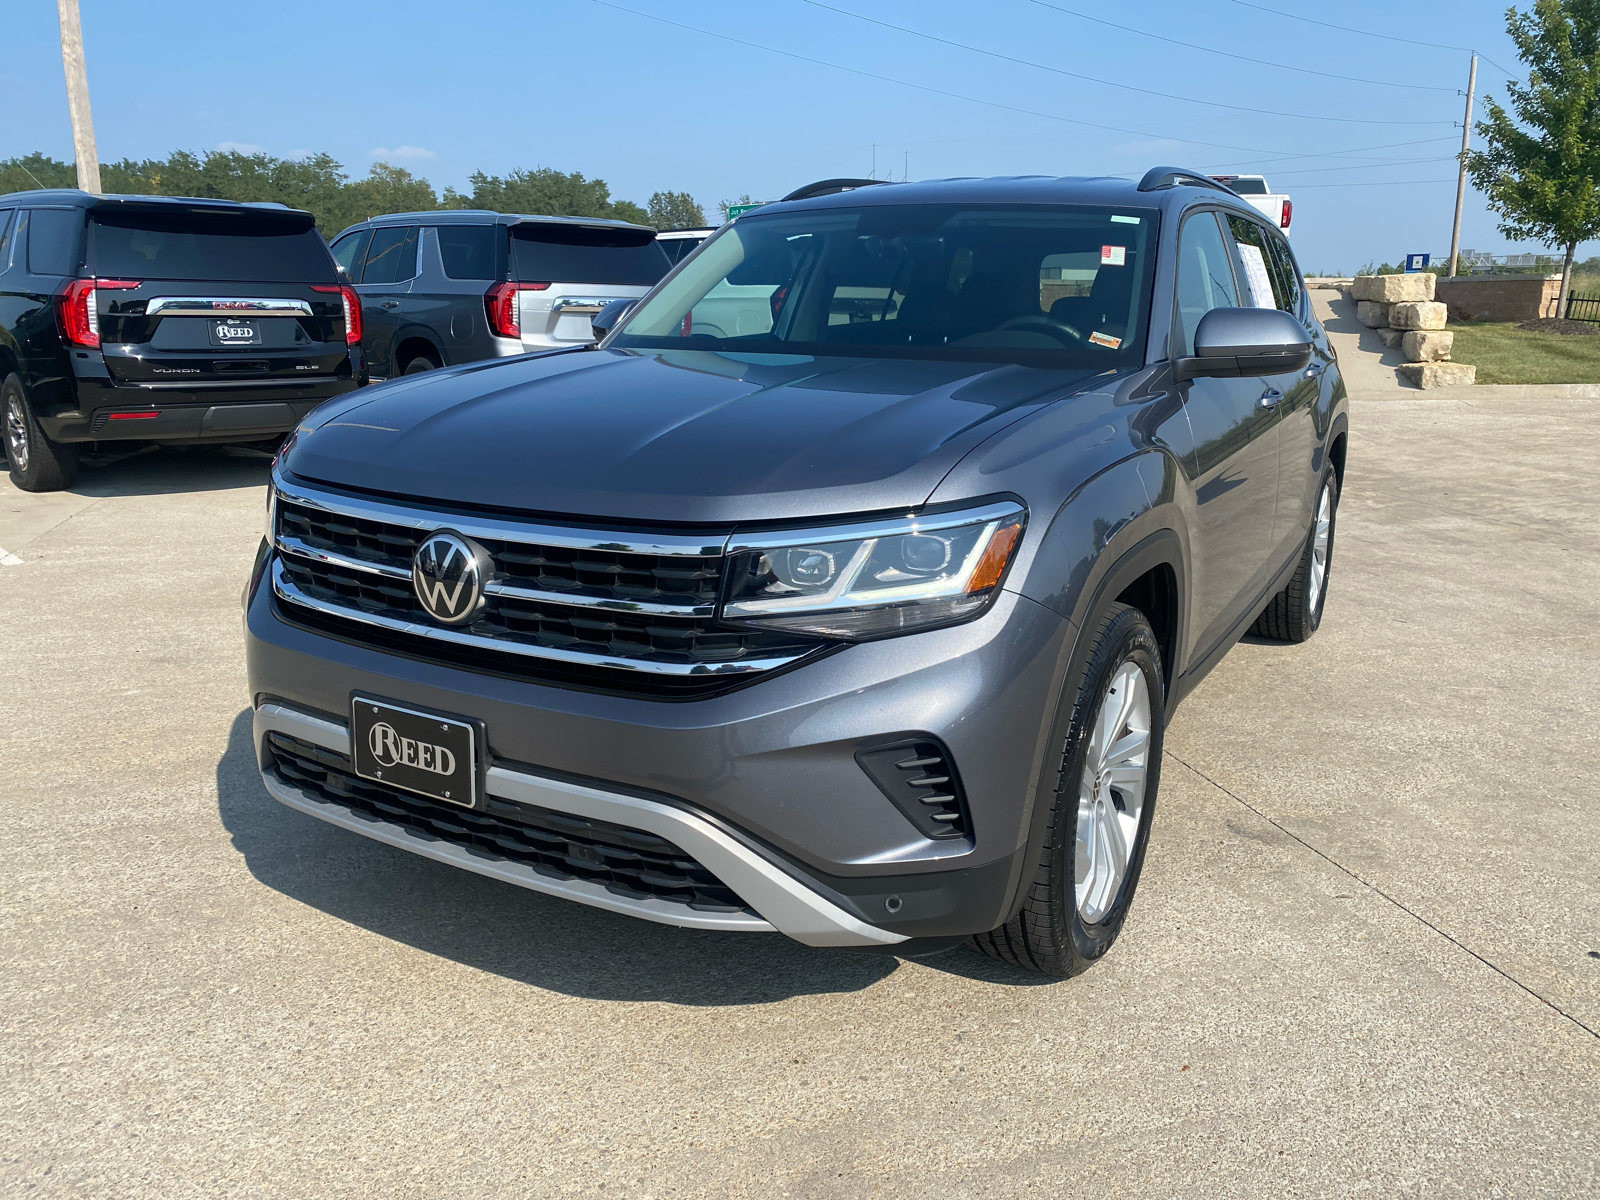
{"x":444,"y":89}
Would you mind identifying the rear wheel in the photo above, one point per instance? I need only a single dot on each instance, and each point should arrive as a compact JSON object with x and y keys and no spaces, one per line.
{"x":37,"y":464}
{"x":1099,"y":823}
{"x":1295,"y":613}
{"x":420,"y":364}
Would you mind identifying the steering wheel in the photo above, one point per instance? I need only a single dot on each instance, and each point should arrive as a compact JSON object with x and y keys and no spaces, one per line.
{"x":1042,"y":324}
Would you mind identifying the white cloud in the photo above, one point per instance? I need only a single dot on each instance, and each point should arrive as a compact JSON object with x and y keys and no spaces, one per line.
{"x":298,"y":154}
{"x":386,"y":155}
{"x":238,"y":148}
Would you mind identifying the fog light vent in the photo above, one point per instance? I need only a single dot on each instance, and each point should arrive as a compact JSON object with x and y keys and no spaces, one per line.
{"x":918,"y":775}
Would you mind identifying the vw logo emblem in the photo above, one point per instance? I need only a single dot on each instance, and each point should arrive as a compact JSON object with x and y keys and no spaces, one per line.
{"x":448,"y":573}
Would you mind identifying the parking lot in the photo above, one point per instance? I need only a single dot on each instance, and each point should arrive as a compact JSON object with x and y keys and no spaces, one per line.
{"x":1365,"y":959}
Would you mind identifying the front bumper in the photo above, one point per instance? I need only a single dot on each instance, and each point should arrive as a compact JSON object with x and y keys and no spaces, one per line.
{"x":762,"y":780}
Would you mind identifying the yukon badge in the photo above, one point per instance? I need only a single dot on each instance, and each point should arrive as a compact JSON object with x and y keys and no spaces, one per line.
{"x":449,"y":573}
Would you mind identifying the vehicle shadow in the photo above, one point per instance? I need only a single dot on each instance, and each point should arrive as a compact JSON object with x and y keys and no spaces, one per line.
{"x":162,"y":471}
{"x":515,"y":933}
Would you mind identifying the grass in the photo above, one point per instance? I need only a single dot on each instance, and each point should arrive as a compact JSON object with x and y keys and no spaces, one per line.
{"x":1505,"y":354}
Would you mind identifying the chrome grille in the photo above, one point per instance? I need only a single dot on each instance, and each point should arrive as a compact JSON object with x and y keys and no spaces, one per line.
{"x":618,"y":612}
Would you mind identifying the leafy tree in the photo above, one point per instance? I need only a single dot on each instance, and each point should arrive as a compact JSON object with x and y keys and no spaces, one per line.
{"x":676,"y":210}
{"x":546,"y":192}
{"x":35,"y":171}
{"x":1540,"y":167}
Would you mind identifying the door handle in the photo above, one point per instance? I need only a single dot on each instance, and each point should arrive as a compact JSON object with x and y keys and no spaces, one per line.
{"x":1315,"y":369}
{"x":1271,"y":398}
{"x":391,"y":304}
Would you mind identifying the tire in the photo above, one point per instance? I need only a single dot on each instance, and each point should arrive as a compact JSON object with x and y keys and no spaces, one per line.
{"x":36,"y":463}
{"x":1295,"y":613}
{"x":420,"y":364}
{"x":1099,"y":821}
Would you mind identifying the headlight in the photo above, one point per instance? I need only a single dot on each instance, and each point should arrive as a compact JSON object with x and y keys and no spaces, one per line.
{"x":867,"y":581}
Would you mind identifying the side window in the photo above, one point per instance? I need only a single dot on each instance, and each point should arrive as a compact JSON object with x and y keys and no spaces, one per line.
{"x":348,"y":253}
{"x":5,"y":237}
{"x":53,"y":240}
{"x":1287,"y":271}
{"x":1262,"y":283}
{"x":467,"y":250}
{"x":16,"y":253}
{"x":1205,"y":275}
{"x":392,"y":257}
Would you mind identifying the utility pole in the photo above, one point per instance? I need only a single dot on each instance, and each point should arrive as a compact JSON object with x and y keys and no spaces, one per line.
{"x":1461,"y":179}
{"x":78,"y":96}
{"x":874,"y":174}
{"x":906,"y":176}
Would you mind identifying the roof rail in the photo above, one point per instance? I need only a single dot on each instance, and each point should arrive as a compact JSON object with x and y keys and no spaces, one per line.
{"x":827,"y":187}
{"x":1158,"y":178}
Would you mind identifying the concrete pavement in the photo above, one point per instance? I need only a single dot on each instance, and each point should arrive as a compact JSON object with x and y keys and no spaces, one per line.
{"x":1364,"y":959}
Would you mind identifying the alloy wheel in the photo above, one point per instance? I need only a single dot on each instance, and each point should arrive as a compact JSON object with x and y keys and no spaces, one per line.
{"x":17,"y":434}
{"x":1111,"y":793}
{"x":1321,"y":536}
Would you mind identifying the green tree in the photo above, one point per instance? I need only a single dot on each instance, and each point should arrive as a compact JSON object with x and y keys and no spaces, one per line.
{"x":545,"y":192}
{"x":676,"y":210}
{"x":1540,"y":167}
{"x":34,"y":171}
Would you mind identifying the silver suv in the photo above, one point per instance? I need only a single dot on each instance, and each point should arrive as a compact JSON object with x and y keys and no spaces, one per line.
{"x":442,"y":288}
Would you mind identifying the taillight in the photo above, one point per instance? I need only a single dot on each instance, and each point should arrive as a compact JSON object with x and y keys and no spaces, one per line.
{"x":500,"y":302}
{"x":80,"y":322}
{"x":352,"y":309}
{"x":1288,"y":211}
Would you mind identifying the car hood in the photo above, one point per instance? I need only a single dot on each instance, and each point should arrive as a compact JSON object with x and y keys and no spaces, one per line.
{"x":683,"y":437}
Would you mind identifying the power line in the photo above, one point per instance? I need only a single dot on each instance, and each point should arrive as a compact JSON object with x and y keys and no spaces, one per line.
{"x":923,"y":87}
{"x":1377,"y":166}
{"x":1108,"y":82}
{"x":1419,"y":87}
{"x":1368,"y":33}
{"x":1262,"y":162}
{"x":1381,"y":183}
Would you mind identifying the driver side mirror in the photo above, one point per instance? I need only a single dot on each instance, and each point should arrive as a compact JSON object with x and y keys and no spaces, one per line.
{"x":609,"y":317}
{"x":1231,"y":342}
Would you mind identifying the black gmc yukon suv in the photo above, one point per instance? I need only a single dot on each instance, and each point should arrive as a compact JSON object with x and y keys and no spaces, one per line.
{"x":160,"y":319}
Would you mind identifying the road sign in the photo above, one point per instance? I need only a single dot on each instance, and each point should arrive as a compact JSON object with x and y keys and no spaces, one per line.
{"x":1417,"y":262}
{"x":735,"y":211}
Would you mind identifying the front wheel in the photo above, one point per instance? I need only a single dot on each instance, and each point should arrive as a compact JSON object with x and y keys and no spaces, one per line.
{"x":1099,"y":823}
{"x":36,"y":463}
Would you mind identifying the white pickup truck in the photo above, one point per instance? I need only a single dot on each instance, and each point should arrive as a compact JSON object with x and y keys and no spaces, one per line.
{"x":1255,"y":191}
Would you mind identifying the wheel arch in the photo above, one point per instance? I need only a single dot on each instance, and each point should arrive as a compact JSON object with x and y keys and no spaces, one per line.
{"x":414,"y":343}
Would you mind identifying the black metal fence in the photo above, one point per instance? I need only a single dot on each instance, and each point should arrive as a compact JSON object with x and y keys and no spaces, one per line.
{"x":1584,"y":308}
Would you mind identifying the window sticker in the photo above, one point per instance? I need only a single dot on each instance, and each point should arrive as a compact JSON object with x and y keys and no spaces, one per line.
{"x":1119,"y":219}
{"x":1106,"y":340}
{"x":1113,"y":256}
{"x":1255,"y":272}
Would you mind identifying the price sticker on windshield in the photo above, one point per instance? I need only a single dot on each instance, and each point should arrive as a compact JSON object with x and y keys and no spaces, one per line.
{"x":1113,"y":256}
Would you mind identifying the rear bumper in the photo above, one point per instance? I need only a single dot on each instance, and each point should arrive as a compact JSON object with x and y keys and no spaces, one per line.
{"x":221,"y":414}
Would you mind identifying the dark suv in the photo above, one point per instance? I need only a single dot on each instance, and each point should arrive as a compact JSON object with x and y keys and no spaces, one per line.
{"x":442,"y":288}
{"x":160,"y":319}
{"x":844,"y":590}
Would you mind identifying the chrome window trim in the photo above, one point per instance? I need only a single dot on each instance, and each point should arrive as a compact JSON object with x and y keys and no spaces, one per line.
{"x":206,"y":306}
{"x":784,"y":903}
{"x":287,"y":592}
{"x":498,"y":529}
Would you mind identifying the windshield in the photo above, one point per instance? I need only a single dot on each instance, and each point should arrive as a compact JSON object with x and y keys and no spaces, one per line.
{"x":1056,"y":286}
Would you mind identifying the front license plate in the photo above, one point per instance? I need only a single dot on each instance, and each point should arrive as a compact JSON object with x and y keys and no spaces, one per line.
{"x":421,"y":752}
{"x":235,"y":331}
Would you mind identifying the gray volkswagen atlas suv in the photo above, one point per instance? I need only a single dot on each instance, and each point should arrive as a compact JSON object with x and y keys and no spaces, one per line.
{"x":843,"y":590}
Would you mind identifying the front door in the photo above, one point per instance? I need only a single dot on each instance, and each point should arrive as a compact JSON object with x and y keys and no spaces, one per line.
{"x":1235,"y":463}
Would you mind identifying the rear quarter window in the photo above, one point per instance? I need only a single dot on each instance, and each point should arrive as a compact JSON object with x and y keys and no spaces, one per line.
{"x":53,"y":240}
{"x":587,"y":254}
{"x":467,"y":251}
{"x":200,"y":247}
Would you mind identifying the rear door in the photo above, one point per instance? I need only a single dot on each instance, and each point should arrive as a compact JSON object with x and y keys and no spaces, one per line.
{"x":388,"y":271}
{"x":214,"y":298}
{"x":583,"y":268}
